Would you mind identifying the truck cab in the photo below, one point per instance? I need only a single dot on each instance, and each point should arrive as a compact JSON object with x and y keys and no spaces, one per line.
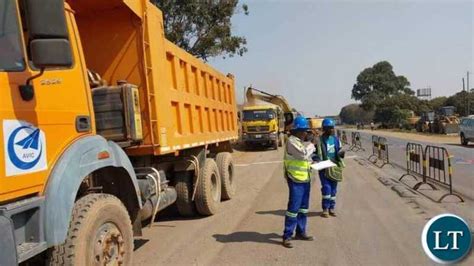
{"x":103,"y":123}
{"x":263,"y":125}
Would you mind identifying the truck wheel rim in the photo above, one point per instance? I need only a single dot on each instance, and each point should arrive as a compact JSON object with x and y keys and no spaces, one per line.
{"x":231,"y":175}
{"x":109,"y":245}
{"x":214,"y":190}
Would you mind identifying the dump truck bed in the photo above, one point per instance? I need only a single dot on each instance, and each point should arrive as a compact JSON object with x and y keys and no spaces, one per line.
{"x":184,"y":102}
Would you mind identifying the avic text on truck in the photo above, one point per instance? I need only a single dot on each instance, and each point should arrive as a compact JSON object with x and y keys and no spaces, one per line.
{"x":103,"y":123}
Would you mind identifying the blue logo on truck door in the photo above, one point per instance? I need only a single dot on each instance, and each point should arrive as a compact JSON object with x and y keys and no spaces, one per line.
{"x":25,"y":148}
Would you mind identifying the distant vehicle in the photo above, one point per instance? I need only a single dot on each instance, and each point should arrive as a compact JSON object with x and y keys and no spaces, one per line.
{"x":265,"y":118}
{"x":446,"y":121}
{"x":315,"y":123}
{"x":466,"y":130}
{"x":412,"y":121}
{"x":425,"y":123}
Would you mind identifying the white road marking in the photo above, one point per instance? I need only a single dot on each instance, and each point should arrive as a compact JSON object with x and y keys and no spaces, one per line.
{"x":351,"y":157}
{"x":248,"y":164}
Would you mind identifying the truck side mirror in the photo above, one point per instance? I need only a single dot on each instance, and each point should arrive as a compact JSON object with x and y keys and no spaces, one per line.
{"x":288,"y":118}
{"x":47,"y":53}
{"x":48,"y":38}
{"x":48,"y":33}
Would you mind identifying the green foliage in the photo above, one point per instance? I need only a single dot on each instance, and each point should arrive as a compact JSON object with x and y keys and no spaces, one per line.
{"x":353,"y":113}
{"x":392,"y":116}
{"x":377,"y":83}
{"x":460,"y":101}
{"x":203,"y":28}
{"x":407,"y":102}
{"x":438,"y":102}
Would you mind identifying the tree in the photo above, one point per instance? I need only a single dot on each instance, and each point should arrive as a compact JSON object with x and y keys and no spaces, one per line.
{"x":203,"y":28}
{"x":460,"y":101}
{"x":353,"y":113}
{"x":377,"y":83}
{"x":406,"y":102}
{"x":392,"y":116}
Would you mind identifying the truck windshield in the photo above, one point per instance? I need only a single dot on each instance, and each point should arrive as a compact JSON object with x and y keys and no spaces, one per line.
{"x":11,"y":55}
{"x":250,"y":115}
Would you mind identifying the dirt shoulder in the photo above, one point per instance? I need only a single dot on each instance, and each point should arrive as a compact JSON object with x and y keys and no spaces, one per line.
{"x":442,"y":139}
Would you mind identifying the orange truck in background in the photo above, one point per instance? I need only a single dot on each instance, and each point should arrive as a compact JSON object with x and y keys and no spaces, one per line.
{"x":104,"y":123}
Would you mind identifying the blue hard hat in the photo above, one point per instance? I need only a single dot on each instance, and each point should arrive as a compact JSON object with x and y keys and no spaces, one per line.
{"x":300,"y":123}
{"x":328,"y":122}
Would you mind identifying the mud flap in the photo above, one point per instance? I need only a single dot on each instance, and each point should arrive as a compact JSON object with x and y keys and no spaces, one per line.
{"x":7,"y":244}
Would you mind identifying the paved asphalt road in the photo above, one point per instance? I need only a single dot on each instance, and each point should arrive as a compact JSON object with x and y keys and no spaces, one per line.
{"x":463,"y":159}
{"x":375,"y":225}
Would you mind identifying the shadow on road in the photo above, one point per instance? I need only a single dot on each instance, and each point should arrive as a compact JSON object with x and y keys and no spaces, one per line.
{"x":138,"y":243}
{"x":282,"y":213}
{"x":239,"y":237}
{"x":460,"y":145}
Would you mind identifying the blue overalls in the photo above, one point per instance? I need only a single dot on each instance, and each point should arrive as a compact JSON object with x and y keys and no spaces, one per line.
{"x":297,"y":211}
{"x":329,"y":186}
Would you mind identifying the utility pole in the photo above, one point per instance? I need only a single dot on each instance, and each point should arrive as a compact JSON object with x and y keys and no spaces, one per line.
{"x":468,"y":96}
{"x":463,"y":86}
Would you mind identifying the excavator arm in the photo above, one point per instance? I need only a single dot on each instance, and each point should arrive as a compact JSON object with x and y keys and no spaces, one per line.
{"x":254,"y":95}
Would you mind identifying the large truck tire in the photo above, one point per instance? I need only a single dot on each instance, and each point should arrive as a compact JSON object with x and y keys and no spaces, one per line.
{"x":208,"y":193}
{"x":225,"y":165}
{"x":184,"y":189}
{"x":275,"y":144}
{"x":280,"y":140}
{"x":100,"y":233}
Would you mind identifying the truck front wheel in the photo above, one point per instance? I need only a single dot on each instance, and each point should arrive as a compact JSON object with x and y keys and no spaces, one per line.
{"x":100,"y":233}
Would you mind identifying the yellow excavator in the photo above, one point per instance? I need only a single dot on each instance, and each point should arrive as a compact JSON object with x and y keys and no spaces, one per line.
{"x":265,"y":118}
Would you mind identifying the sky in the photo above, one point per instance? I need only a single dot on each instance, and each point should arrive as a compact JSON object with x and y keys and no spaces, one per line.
{"x":312,"y":51}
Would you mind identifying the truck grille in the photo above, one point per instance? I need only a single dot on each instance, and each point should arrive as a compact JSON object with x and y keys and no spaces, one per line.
{"x":258,"y":128}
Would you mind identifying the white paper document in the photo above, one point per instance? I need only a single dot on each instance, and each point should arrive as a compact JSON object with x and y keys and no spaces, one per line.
{"x":322,"y":165}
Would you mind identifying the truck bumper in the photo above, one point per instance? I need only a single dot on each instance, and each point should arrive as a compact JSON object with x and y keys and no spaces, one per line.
{"x":260,"y":138}
{"x":7,"y":244}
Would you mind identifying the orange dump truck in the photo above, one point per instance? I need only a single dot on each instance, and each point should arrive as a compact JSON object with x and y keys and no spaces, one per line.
{"x":103,"y":124}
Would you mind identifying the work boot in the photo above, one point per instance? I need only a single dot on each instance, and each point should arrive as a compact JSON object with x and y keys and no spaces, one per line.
{"x":325,"y":214}
{"x":304,"y":237}
{"x":332,"y":212}
{"x":287,"y":243}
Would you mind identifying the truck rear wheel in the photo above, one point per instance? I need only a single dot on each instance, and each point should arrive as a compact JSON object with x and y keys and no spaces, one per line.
{"x":100,"y":233}
{"x":184,"y":189}
{"x":208,"y":193}
{"x":225,"y":165}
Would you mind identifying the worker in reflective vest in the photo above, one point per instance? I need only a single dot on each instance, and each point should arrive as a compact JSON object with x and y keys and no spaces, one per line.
{"x":329,"y":148}
{"x":297,"y":163}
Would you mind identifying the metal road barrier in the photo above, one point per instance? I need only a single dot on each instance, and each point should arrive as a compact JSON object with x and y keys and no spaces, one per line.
{"x":356,"y":144}
{"x":433,"y":165}
{"x":383,"y":152}
{"x":344,"y":138}
{"x":438,"y":169}
{"x":415,"y":157}
{"x":375,"y":149}
{"x":379,"y":151}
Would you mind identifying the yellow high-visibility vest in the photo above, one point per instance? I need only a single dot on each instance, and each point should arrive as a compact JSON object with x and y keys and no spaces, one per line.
{"x":298,"y":170}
